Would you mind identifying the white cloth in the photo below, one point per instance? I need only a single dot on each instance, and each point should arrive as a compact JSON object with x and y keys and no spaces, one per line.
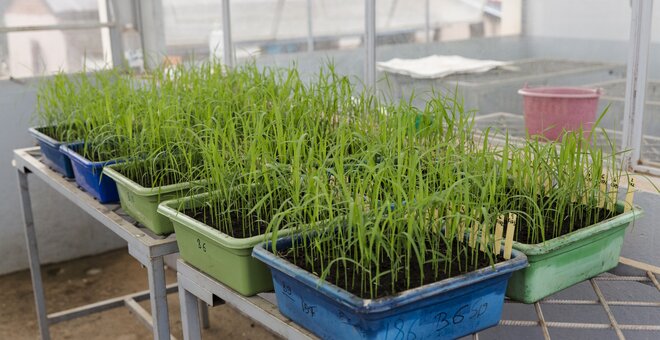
{"x":438,"y":66}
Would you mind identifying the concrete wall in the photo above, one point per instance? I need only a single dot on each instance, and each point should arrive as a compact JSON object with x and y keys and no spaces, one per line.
{"x":64,"y":232}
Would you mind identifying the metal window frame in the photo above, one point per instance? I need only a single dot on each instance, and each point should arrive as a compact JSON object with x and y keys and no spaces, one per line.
{"x":227,"y":45}
{"x":640,"y":38}
{"x":638,"y":55}
{"x":370,"y":44}
{"x":110,"y":34}
{"x":152,"y":32}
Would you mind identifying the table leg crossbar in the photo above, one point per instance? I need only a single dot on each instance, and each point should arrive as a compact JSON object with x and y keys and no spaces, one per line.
{"x":130,"y":300}
{"x":147,"y":249}
{"x":195,"y":287}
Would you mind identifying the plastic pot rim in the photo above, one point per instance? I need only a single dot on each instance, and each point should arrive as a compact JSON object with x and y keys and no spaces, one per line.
{"x":556,"y":92}
{"x":384,"y":304}
{"x":145,"y":191}
{"x":565,"y":240}
{"x":170,"y":210}
{"x":68,"y":149}
{"x":34,"y":131}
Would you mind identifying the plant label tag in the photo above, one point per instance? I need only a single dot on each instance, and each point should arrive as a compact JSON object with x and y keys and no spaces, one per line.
{"x":630,"y":195}
{"x":614,"y":191}
{"x":499,"y":229}
{"x":603,"y":191}
{"x":484,"y":240}
{"x":461,"y":224}
{"x":473,"y":234}
{"x":548,"y":186}
{"x":510,"y":231}
{"x":587,"y":186}
{"x":474,"y":231}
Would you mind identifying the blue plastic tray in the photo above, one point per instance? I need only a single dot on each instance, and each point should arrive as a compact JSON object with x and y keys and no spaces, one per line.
{"x":447,"y":309}
{"x":89,"y":175}
{"x":52,"y":156}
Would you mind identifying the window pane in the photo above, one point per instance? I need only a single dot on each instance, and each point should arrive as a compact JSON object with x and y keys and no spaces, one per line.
{"x":650,"y":151}
{"x":191,"y":26}
{"x":276,"y":33}
{"x":47,"y":12}
{"x":34,"y":53}
{"x":38,"y":53}
{"x":543,"y":43}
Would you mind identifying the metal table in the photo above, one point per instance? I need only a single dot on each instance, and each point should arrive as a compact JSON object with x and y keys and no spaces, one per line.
{"x":143,"y":245}
{"x":519,"y":320}
{"x":195,"y":285}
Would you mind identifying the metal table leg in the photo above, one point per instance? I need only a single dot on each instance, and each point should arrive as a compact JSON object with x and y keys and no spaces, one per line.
{"x":204,"y":314}
{"x":156,"y":272}
{"x":33,"y":255}
{"x":189,"y":313}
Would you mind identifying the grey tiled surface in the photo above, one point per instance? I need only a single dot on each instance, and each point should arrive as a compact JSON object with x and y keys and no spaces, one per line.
{"x":577,"y":313}
{"x":578,"y":309}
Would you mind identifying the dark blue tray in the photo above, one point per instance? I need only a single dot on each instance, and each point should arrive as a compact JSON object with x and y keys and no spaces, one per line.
{"x":447,"y":309}
{"x":52,"y":156}
{"x":89,"y":175}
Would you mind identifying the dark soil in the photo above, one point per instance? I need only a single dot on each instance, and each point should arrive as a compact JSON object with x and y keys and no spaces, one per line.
{"x":255,"y":225}
{"x":148,"y":177}
{"x":108,"y":154}
{"x":343,"y":273}
{"x":54,"y":132}
{"x":583,"y":216}
{"x":49,"y":131}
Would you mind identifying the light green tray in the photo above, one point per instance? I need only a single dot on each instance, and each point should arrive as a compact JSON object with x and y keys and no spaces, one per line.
{"x":142,"y":203}
{"x":227,"y":259}
{"x":566,"y":260}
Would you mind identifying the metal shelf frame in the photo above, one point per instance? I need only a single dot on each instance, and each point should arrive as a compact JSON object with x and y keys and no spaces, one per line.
{"x":143,"y":245}
{"x":195,"y":285}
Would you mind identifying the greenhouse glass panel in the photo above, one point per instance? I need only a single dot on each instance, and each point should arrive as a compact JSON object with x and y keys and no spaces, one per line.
{"x":282,"y":33}
{"x":193,"y":28}
{"x":650,"y":146}
{"x":486,"y":51}
{"x":34,"y":52}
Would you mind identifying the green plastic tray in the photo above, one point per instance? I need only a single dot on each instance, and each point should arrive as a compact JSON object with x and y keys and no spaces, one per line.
{"x":228,"y":260}
{"x":566,"y":260}
{"x":142,"y":203}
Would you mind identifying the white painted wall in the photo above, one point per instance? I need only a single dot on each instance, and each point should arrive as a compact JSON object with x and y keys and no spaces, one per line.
{"x":64,"y":232}
{"x":583,"y":19}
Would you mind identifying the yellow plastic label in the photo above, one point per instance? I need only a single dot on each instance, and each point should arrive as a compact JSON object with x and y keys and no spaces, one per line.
{"x":484,"y":240}
{"x":614,"y":191}
{"x":499,"y":229}
{"x":510,"y":231}
{"x":603,"y":191}
{"x":461,"y":224}
{"x":473,"y":233}
{"x":587,"y":185}
{"x":548,"y":186}
{"x":630,"y":195}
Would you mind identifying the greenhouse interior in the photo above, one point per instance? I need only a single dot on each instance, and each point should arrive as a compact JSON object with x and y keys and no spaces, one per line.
{"x":330,"y":169}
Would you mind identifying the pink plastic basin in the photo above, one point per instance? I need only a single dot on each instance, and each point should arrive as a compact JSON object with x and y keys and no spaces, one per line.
{"x":549,"y":111}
